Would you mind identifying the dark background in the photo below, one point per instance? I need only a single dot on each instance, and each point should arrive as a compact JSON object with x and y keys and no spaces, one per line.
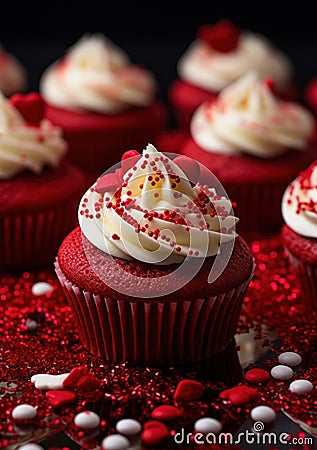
{"x":154,"y":34}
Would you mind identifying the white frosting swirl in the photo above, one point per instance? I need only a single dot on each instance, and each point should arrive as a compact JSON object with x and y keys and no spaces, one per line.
{"x":95,"y":75}
{"x":299,"y":203}
{"x":27,"y":147}
{"x":248,"y":118}
{"x":157,"y":217}
{"x":13,"y":77}
{"x":209,"y":69}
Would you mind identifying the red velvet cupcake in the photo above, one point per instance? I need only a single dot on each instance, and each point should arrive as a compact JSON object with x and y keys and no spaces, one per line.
{"x":299,"y":233}
{"x":103,"y":103}
{"x":256,"y":144}
{"x":155,"y":274}
{"x":39,"y":190}
{"x":221,"y":54}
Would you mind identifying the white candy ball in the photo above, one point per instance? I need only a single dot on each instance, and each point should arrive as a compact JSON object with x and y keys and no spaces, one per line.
{"x":24,"y":412}
{"x":128,"y":427}
{"x":115,"y":442}
{"x":88,"y":420}
{"x":290,"y":359}
{"x":282,"y":372}
{"x":31,"y":324}
{"x":41,"y":288}
{"x":301,"y":387}
{"x":208,"y":425}
{"x":31,"y":447}
{"x":263,"y":414}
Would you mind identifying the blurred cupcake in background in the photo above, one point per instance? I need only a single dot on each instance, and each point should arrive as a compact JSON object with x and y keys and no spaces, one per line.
{"x":13,"y":75}
{"x":103,"y":102}
{"x":220,"y":54}
{"x":255,"y":143}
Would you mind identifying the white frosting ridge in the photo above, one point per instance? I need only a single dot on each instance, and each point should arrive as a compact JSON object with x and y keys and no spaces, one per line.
{"x":247,"y":117}
{"x":95,"y":75}
{"x":299,"y":203}
{"x":27,"y":147}
{"x":212,"y":70}
{"x":157,"y":217}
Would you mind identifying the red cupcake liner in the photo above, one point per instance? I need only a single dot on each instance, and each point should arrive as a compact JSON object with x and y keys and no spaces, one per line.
{"x":31,"y":240}
{"x":154,"y":333}
{"x":258,"y":207}
{"x":307,"y":276}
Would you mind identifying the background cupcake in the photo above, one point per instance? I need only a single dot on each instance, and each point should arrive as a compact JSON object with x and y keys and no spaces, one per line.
{"x":39,"y":191}
{"x":13,"y":75}
{"x":102,"y":101}
{"x":221,"y":54}
{"x":137,"y":271}
{"x":255,"y":143}
{"x":299,"y":233}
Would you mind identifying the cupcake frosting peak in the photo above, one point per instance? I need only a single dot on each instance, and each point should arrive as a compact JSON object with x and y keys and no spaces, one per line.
{"x":248,"y":117}
{"x":149,"y":210}
{"x":299,"y":204}
{"x":96,"y":75}
{"x":26,"y":140}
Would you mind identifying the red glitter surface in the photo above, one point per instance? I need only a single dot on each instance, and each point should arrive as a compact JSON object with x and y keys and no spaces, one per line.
{"x":273,"y":300}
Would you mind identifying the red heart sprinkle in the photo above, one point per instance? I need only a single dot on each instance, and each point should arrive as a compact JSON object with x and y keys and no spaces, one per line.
{"x":166,"y":413}
{"x":155,"y":433}
{"x":76,"y":373}
{"x":188,"y":390}
{"x":129,"y":159}
{"x":88,"y":383}
{"x":257,"y":376}
{"x":222,"y":37}
{"x":189,"y":166}
{"x":59,"y":398}
{"x":239,"y":395}
{"x":31,"y":106}
{"x":110,"y":182}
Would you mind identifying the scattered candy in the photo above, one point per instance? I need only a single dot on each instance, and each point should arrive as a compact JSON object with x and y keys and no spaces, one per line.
{"x":115,"y":442}
{"x":301,"y":387}
{"x":128,"y":427}
{"x":88,"y":383}
{"x":282,"y":372}
{"x":31,"y":324}
{"x":60,"y":398}
{"x":188,"y":390}
{"x":87,"y":420}
{"x":31,"y":447}
{"x":239,"y":395}
{"x":290,"y":359}
{"x":208,"y":425}
{"x":41,"y":288}
{"x":256,"y":376}
{"x":74,"y":376}
{"x":47,"y":381}
{"x":263,"y":413}
{"x":24,"y":412}
{"x":154,"y":433}
{"x":166,"y":413}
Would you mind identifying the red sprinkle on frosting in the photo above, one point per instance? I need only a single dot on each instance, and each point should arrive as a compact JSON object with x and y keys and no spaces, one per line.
{"x":222,"y":37}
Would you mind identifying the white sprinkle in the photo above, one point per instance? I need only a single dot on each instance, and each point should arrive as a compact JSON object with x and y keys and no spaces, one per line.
{"x":301,"y":387}
{"x":128,"y":427}
{"x":88,"y":420}
{"x":282,"y":372}
{"x":24,"y":412}
{"x":208,"y":425}
{"x":263,"y":414}
{"x":290,"y":359}
{"x":47,"y":381}
{"x":41,"y":288}
{"x":31,"y":324}
{"x":115,"y":442}
{"x":31,"y":447}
